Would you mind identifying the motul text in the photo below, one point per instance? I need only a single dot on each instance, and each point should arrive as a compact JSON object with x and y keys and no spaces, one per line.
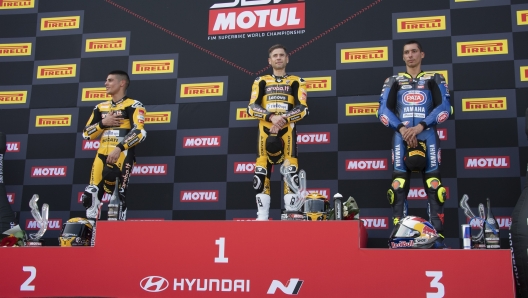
{"x":44,"y":172}
{"x":199,"y":196}
{"x":375,"y":164}
{"x":53,"y":224}
{"x":13,"y":147}
{"x":313,"y":138}
{"x":150,"y":170}
{"x":201,"y":142}
{"x":487,"y":162}
{"x":375,"y":223}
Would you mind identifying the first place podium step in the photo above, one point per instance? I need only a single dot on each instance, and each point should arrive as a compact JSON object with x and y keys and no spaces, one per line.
{"x":249,"y":259}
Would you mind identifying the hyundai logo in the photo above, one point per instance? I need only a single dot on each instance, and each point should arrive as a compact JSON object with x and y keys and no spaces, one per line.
{"x":154,"y":284}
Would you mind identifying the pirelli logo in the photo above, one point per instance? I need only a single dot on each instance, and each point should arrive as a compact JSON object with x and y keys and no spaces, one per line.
{"x":57,"y":71}
{"x":158,"y":117}
{"x":524,"y":73}
{"x":202,"y":89}
{"x":153,"y":66}
{"x":15,"y":49}
{"x":482,"y":47}
{"x":484,"y":104}
{"x":522,"y":17}
{"x":60,"y":23}
{"x":105,"y":44}
{"x":365,"y":55}
{"x":13,"y":97}
{"x":432,"y":23}
{"x":95,"y":94}
{"x":241,"y":114}
{"x":444,"y":73}
{"x":318,"y":84}
{"x":362,"y":109}
{"x":16,"y":4}
{"x":53,"y":120}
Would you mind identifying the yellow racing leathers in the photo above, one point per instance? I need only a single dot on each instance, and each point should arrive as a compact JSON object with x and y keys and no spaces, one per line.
{"x":126,"y":136}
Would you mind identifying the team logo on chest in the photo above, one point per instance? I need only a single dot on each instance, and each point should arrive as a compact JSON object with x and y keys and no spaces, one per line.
{"x":413,"y":97}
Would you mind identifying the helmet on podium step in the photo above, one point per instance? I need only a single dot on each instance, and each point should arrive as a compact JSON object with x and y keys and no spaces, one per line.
{"x":76,"y":231}
{"x":413,"y":232}
{"x":316,"y":206}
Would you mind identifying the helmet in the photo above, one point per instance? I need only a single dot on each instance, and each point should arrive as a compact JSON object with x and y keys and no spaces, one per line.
{"x":413,"y":232}
{"x":316,"y":206}
{"x":76,"y":232}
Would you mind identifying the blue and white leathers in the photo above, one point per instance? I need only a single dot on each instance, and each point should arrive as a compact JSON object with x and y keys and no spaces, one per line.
{"x":407,"y":101}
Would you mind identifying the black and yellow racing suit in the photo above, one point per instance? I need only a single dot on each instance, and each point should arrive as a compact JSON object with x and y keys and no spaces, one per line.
{"x":274,"y":95}
{"x":129,"y":134}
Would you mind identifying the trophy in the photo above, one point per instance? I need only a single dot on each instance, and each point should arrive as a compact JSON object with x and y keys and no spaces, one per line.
{"x":41,"y":219}
{"x":478,"y":241}
{"x":299,"y":191}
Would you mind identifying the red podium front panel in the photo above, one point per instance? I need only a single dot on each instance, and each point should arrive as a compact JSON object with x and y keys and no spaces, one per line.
{"x":248,"y":259}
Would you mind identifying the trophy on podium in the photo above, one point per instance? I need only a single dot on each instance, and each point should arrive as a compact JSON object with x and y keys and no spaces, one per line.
{"x":488,"y":236}
{"x":41,"y":219}
{"x":299,"y":191}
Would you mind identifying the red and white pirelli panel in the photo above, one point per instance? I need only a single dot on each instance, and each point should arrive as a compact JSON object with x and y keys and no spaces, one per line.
{"x":153,"y":67}
{"x":62,"y":120}
{"x":364,"y":164}
{"x":106,"y":44}
{"x":247,"y":18}
{"x":317,"y":138}
{"x":59,"y":71}
{"x":444,"y":69}
{"x":479,"y":3}
{"x":48,"y":171}
{"x":521,"y":73}
{"x":421,"y":24}
{"x":159,"y":169}
{"x":60,"y":23}
{"x":319,"y":83}
{"x":18,"y":6}
{"x":17,"y":49}
{"x":15,"y":97}
{"x":364,"y":54}
{"x":358,"y":109}
{"x":487,"y":162}
{"x":482,"y":47}
{"x":211,"y":141}
{"x":519,"y":14}
{"x":203,"y":89}
{"x":199,"y":196}
{"x":488,"y":104}
{"x":16,"y":146}
{"x":417,"y":197}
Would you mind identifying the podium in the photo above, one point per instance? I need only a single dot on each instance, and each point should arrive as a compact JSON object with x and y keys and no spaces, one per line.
{"x":249,"y":259}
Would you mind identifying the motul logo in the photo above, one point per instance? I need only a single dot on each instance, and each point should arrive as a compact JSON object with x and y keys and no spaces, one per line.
{"x":414,"y":97}
{"x":418,"y":193}
{"x":201,"y":142}
{"x":153,"y":66}
{"x":202,"y":89}
{"x":484,"y":47}
{"x":503,"y":221}
{"x":522,"y":17}
{"x":150,"y":170}
{"x":105,"y":44}
{"x":484,"y":104}
{"x":244,"y":167}
{"x":90,"y":145}
{"x":322,"y":191}
{"x":45,"y":172}
{"x":11,"y":197}
{"x":158,"y":117}
{"x":524,"y":73}
{"x":375,"y":164}
{"x":364,"y":54}
{"x":60,"y":23}
{"x":199,"y":195}
{"x":15,"y":49}
{"x":421,"y":24}
{"x":16,"y":4}
{"x":56,"y":71}
{"x":313,"y":138}
{"x":257,"y":19}
{"x":375,"y":223}
{"x":53,"y":120}
{"x":487,"y":162}
{"x":241,"y":114}
{"x":53,"y":224}
{"x":318,"y":84}
{"x":95,"y":94}
{"x":13,"y":147}
{"x":442,"y":134}
{"x":361,"y":109}
{"x":13,"y":97}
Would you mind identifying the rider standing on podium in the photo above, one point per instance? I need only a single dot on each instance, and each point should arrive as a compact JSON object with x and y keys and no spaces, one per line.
{"x":412,"y":104}
{"x":278,"y":101}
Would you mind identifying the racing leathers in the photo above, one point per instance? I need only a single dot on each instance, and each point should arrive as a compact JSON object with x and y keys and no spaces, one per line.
{"x":126,"y":136}
{"x":276,"y":95}
{"x":407,"y":101}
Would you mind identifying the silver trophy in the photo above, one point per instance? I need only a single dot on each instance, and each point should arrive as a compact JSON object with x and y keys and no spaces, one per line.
{"x":299,"y":190}
{"x":41,"y":219}
{"x":478,"y":240}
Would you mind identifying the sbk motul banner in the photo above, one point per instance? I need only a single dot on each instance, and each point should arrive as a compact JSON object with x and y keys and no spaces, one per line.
{"x":220,"y":262}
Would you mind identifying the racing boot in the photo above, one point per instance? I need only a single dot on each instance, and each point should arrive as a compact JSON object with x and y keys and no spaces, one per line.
{"x":263,"y":205}
{"x":92,"y":203}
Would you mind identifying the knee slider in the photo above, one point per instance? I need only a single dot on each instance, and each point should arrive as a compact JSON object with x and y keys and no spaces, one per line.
{"x":436,"y":187}
{"x":259,"y":179}
{"x":397,"y":183}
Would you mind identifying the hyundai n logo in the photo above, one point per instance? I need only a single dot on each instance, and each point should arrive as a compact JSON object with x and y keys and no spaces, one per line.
{"x":293,"y":286}
{"x":154,"y":284}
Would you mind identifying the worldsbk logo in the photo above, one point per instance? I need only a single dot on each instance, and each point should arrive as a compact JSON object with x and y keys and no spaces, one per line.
{"x":53,"y":224}
{"x":247,"y":19}
{"x":150,"y":170}
{"x":375,"y":223}
{"x":13,"y":147}
{"x":11,"y":197}
{"x":313,"y":138}
{"x":418,"y":193}
{"x":90,"y":145}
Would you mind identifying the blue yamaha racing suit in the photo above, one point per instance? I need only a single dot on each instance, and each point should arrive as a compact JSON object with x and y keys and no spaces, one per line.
{"x":407,"y":101}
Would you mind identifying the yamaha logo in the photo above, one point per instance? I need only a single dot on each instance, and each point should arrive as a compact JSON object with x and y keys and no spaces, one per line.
{"x":154,"y":284}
